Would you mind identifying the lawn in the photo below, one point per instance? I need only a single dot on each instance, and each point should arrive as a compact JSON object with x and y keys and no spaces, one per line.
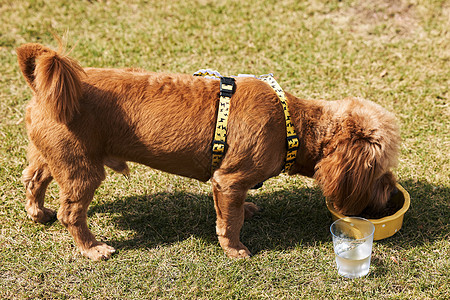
{"x":395,"y":53}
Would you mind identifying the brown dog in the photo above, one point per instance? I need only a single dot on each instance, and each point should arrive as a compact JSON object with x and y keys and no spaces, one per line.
{"x":80,"y":120}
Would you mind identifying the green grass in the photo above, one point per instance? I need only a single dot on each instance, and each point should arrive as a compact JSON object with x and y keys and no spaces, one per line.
{"x":396,"y":53}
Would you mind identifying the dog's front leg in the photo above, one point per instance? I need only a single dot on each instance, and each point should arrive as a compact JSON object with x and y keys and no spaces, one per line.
{"x":229,"y":205}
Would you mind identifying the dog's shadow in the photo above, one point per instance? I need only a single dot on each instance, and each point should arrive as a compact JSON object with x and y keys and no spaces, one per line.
{"x":288,"y":218}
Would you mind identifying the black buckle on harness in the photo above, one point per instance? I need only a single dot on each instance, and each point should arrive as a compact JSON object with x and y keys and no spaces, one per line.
{"x":218,"y":147}
{"x":292,"y":142}
{"x":227,"y":86}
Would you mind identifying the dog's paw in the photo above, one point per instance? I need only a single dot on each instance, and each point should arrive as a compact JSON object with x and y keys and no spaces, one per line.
{"x":250,"y":209}
{"x":41,"y":215}
{"x":238,"y":252}
{"x":100,"y":251}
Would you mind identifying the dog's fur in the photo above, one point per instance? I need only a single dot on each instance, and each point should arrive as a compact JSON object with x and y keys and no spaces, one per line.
{"x":80,"y":120}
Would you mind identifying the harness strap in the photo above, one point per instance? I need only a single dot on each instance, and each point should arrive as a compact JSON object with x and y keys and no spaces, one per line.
{"x":227,"y":89}
{"x":291,"y":136}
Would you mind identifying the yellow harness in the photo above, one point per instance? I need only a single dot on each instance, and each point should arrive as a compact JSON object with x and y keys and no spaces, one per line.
{"x":291,"y":136}
{"x":227,"y":88}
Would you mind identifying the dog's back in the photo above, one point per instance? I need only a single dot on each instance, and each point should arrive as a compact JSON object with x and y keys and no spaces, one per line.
{"x":165,"y":121}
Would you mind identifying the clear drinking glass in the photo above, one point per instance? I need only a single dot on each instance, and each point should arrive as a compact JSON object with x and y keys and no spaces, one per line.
{"x":352,"y":240}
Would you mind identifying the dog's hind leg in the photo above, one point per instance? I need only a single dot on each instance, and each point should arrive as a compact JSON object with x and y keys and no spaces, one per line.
{"x":77,"y":191}
{"x":36,"y":177}
{"x":229,"y":204}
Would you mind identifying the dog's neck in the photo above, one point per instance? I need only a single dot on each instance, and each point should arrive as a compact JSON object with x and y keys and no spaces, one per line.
{"x":308,"y":117}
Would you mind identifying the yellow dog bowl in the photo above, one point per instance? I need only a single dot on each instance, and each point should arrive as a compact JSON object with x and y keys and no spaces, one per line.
{"x":386,"y":226}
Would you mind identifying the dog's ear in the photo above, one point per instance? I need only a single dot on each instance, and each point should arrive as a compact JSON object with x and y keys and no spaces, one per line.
{"x":346,"y":176}
{"x":348,"y":171}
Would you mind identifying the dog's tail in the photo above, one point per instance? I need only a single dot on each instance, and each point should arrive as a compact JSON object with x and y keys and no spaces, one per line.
{"x":54,"y":78}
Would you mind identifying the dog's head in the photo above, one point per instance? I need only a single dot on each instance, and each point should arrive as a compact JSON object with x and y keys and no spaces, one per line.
{"x":354,"y":172}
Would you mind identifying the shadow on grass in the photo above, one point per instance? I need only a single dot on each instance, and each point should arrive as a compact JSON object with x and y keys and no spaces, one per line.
{"x":428,"y":218}
{"x":288,"y":218}
{"x":426,"y":221}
